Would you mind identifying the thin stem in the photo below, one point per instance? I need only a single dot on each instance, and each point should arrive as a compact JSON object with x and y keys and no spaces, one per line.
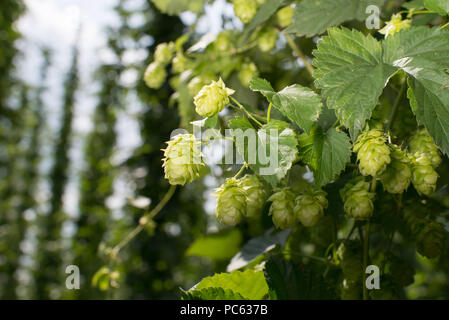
{"x":366,"y":246}
{"x":444,"y":26}
{"x":246,"y":111}
{"x":143,"y":222}
{"x":394,"y":110}
{"x":298,"y":52}
{"x":245,"y":165}
{"x":269,"y":112}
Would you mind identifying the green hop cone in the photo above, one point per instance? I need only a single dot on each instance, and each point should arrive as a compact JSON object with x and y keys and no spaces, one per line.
{"x":350,"y":255}
{"x":422,"y":143}
{"x":256,"y":195}
{"x":223,"y":41}
{"x":164,"y":53}
{"x":284,"y":16}
{"x":372,"y":152}
{"x":267,"y":39}
{"x":247,"y":72}
{"x":424,"y":176}
{"x":155,"y":75}
{"x":212,"y":98}
{"x":180,"y":63}
{"x":396,"y":178}
{"x":182,"y":159}
{"x":281,"y":210}
{"x":231,"y":202}
{"x":245,"y":9}
{"x":358,"y":201}
{"x":309,"y":208}
{"x":430,"y":241}
{"x":196,"y":84}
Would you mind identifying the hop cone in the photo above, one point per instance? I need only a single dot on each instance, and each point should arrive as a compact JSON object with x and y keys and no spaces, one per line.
{"x":223,"y":42}
{"x":350,"y":255}
{"x":372,"y":152}
{"x":422,"y":143}
{"x":180,"y":63}
{"x":267,"y":39}
{"x":398,"y":174}
{"x":281,"y":210}
{"x":256,"y":195}
{"x":284,"y":16}
{"x":424,"y":176}
{"x":164,"y":53}
{"x":395,"y":24}
{"x":309,"y":208}
{"x":245,"y":9}
{"x":430,"y":241}
{"x":231,"y":202}
{"x":182,"y":159}
{"x":198,"y":82}
{"x":155,"y":75}
{"x":357,"y":199}
{"x":247,"y":72}
{"x":212,"y":98}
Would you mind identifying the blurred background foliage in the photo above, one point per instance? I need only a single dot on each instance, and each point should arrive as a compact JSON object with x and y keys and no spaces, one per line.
{"x":184,"y":244}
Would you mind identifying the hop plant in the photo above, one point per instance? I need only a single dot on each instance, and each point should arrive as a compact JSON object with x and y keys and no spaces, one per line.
{"x":424,"y":176}
{"x":256,"y":195}
{"x":155,"y":75}
{"x":398,"y":174}
{"x":395,"y":24}
{"x":182,"y":159}
{"x":180,"y":63}
{"x":212,"y":98}
{"x":284,"y":16}
{"x":401,"y":271}
{"x":388,"y":290}
{"x":350,"y":290}
{"x":372,"y":152}
{"x":349,"y":254}
{"x":245,"y":9}
{"x":247,"y":72}
{"x":223,"y":41}
{"x":197,"y":83}
{"x":164,"y":53}
{"x":422,"y":143}
{"x":430,"y":241}
{"x":358,"y":201}
{"x":267,"y":39}
{"x":282,"y":208}
{"x":310,"y":207}
{"x":231,"y":202}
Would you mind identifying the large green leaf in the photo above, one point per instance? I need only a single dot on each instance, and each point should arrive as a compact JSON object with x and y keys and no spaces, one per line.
{"x":221,"y":245}
{"x":256,"y":247}
{"x":211,"y":294}
{"x":173,"y":7}
{"x":440,"y":6}
{"x":298,"y":103}
{"x":352,"y":74}
{"x":313,"y":17}
{"x":249,"y":284}
{"x":326,"y":154}
{"x":423,"y":54}
{"x":270,"y":151}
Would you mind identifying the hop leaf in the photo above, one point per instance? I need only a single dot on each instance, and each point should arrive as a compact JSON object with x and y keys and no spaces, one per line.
{"x":182,"y":159}
{"x":256,"y":195}
{"x":267,"y":39}
{"x":310,"y":207}
{"x":245,"y":9}
{"x":282,"y":208}
{"x":155,"y":75}
{"x":164,"y":53}
{"x":395,"y":24}
{"x":398,"y":174}
{"x":231,"y":202}
{"x":212,"y":98}
{"x":372,"y":153}
{"x":422,"y":142}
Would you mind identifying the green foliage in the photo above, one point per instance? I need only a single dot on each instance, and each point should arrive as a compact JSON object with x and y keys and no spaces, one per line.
{"x":173,"y":7}
{"x":221,"y":245}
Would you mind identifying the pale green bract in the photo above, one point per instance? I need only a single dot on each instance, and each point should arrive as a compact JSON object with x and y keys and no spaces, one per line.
{"x":212,"y":98}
